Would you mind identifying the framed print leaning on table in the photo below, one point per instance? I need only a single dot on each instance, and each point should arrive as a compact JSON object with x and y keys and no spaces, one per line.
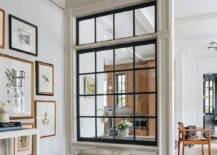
{"x":17,"y":86}
{"x":23,"y":36}
{"x":2,"y":28}
{"x":22,"y":145}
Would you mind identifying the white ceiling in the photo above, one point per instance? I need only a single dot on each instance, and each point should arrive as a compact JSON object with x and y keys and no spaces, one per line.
{"x":186,"y":8}
{"x":80,"y":3}
{"x":195,"y":21}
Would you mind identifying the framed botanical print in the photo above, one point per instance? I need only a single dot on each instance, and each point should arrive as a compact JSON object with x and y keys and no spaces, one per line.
{"x":17,"y":86}
{"x":23,"y":145}
{"x":44,"y":78}
{"x":89,"y":86}
{"x":2,"y":28}
{"x":46,"y":118}
{"x":23,"y":36}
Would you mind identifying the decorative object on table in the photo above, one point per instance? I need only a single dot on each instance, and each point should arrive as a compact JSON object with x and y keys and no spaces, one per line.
{"x":23,"y":36}
{"x":16,"y":86}
{"x":44,"y":78}
{"x":10,"y":126}
{"x":46,"y":118}
{"x":101,"y":114}
{"x":89,"y":86}
{"x":2,"y":28}
{"x":4,"y":112}
{"x":23,"y":145}
{"x":123,"y":128}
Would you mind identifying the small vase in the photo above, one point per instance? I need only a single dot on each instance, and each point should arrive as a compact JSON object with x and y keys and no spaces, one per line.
{"x":124,"y":133}
{"x":4,"y":112}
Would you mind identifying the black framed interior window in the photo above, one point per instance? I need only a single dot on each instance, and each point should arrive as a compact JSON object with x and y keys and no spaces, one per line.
{"x":136,"y":20}
{"x":117,"y":93}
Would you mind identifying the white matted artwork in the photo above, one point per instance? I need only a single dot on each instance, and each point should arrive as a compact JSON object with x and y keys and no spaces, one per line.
{"x":46,"y":118}
{"x":45,"y":78}
{"x":16,"y":86}
{"x":22,"y":145}
{"x":23,"y":36}
{"x":2,"y":28}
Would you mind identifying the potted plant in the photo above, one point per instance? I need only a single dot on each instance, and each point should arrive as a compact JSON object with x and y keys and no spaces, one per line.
{"x":123,"y":128}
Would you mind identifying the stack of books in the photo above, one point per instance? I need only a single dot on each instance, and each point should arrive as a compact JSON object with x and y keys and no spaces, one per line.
{"x":10,"y":126}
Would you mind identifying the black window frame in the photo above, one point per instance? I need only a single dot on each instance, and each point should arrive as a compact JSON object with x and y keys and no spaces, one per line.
{"x":113,"y":12}
{"x":134,"y":117}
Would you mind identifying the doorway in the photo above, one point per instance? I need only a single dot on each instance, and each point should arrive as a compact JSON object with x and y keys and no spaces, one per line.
{"x":210,"y":103}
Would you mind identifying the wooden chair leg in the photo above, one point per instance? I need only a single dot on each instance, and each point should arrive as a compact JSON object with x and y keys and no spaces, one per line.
{"x":202,"y":150}
{"x":183,"y":148}
{"x":209,"y":148}
{"x":179,"y":147}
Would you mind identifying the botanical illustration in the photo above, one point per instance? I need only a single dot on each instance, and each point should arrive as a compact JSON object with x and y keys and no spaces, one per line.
{"x":23,"y":37}
{"x":23,"y":143}
{"x":89,"y":86}
{"x":15,"y":89}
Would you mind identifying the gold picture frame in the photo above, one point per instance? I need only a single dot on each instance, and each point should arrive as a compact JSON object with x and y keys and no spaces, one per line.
{"x":44,"y":78}
{"x":45,"y":119}
{"x":12,"y":69}
{"x":23,"y":145}
{"x":2,"y":28}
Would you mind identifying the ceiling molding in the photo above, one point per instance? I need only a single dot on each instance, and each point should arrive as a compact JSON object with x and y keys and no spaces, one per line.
{"x":195,"y":19}
{"x":102,"y":6}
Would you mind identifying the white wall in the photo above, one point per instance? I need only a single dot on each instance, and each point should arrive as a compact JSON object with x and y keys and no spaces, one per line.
{"x":49,"y":20}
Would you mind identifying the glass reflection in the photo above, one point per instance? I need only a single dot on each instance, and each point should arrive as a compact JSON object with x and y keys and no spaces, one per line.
{"x":87,"y":127}
{"x":145,"y":56}
{"x":124,"y":58}
{"x":145,"y":20}
{"x":104,"y":26}
{"x":87,"y":62}
{"x":124,"y":20}
{"x":86,"y":31}
{"x":104,"y":60}
{"x":145,"y":129}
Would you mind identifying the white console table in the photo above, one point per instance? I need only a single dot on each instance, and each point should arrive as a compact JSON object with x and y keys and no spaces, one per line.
{"x":24,"y":132}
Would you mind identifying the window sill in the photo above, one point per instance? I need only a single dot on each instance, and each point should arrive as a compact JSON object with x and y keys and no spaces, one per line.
{"x":93,"y":145}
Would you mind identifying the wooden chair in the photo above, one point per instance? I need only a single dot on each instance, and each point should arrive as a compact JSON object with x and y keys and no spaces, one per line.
{"x":183,"y":141}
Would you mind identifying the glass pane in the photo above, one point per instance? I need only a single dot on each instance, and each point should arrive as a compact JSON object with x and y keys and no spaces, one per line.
{"x":104,"y":60}
{"x":87,"y":62}
{"x":145,"y":105}
{"x":87,"y":127}
{"x":124,"y":105}
{"x":124,"y":20}
{"x":145,"y":56}
{"x":105,"y":83}
{"x":145,"y":80}
{"x":145,"y":20}
{"x":125,"y":128}
{"x":105,"y":128}
{"x":104,"y":26}
{"x":105,"y":105}
{"x":86,"y":31}
{"x":87,"y":84}
{"x":124,"y":58}
{"x":145,"y":129}
{"x":87,"y":106}
{"x":127,"y":83}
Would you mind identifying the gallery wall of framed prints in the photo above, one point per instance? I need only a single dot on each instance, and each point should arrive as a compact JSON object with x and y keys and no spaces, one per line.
{"x":2,"y":28}
{"x":21,"y":80}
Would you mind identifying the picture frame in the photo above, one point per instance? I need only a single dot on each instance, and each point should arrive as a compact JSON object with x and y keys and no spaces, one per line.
{"x":45,"y":119}
{"x":89,"y":86}
{"x":44,"y":78}
{"x":23,"y":36}
{"x":2,"y":28}
{"x":17,"y":86}
{"x":24,"y":144}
